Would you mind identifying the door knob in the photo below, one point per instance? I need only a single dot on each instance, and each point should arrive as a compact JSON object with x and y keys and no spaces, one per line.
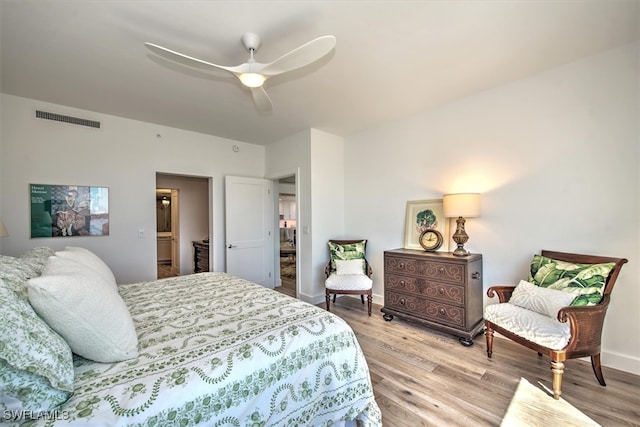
{"x":231,"y":246}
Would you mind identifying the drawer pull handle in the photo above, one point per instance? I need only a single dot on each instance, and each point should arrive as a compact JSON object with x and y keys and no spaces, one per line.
{"x":441,"y":291}
{"x":441,"y":311}
{"x":441,"y":270}
{"x":401,"y":265}
{"x":402,"y":283}
{"x":475,"y":275}
{"x":401,"y":301}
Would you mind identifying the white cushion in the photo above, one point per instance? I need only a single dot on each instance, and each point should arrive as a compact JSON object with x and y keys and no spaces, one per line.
{"x":535,"y":327}
{"x":346,"y":282}
{"x":87,"y":312}
{"x":91,"y":260}
{"x":349,"y":266}
{"x":541,"y":300}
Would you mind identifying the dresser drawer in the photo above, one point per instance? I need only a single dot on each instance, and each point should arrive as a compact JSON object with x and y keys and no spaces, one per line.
{"x":444,"y":292}
{"x":453,"y":273}
{"x":425,"y":309}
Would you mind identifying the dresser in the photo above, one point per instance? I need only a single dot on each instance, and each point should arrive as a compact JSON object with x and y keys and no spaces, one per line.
{"x":436,"y":289}
{"x":200,"y":256}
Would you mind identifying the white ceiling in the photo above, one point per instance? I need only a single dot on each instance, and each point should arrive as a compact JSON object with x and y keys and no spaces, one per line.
{"x":392,"y":58}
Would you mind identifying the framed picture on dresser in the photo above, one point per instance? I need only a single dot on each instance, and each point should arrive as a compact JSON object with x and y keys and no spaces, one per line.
{"x":422,"y":215}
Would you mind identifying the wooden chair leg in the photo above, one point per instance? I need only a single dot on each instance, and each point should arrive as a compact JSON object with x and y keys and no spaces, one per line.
{"x":327,"y":297}
{"x":369,"y":300}
{"x":362,"y":298}
{"x":597,"y":369}
{"x":558,"y":369}
{"x":334,"y":298}
{"x":488,"y":333}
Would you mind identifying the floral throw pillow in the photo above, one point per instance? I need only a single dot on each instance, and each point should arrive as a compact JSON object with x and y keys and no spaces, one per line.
{"x":585,"y":281}
{"x":37,"y":258}
{"x":16,"y":271}
{"x":347,"y":251}
{"x":36,"y":362}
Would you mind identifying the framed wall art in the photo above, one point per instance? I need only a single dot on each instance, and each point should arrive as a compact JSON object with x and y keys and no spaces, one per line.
{"x":423,"y":215}
{"x":69,"y":210}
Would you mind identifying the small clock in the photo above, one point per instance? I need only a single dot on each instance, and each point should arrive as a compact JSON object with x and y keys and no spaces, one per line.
{"x":431,"y":240}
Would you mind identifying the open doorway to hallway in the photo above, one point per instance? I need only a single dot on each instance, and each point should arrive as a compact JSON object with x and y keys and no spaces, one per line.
{"x":189,"y":217}
{"x":287,"y":208}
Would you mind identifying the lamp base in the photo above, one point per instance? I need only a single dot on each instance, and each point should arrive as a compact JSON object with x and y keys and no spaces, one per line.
{"x":460,"y":237}
{"x":461,"y":251}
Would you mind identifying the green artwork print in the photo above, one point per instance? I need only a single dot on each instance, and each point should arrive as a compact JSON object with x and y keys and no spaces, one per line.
{"x":69,"y":210}
{"x":426,"y":220}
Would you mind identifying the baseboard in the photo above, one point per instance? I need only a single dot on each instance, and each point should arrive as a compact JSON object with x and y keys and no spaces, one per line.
{"x":621,"y":362}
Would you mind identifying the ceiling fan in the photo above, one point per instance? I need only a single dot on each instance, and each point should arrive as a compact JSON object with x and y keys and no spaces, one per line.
{"x":253,"y":74}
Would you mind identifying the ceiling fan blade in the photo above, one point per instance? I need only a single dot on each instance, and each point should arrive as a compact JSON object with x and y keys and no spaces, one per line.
{"x":260,"y":97}
{"x":300,"y":56}
{"x":189,"y":60}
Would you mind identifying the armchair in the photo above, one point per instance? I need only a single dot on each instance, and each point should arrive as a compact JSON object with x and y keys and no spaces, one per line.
{"x":348,"y":271}
{"x":575,"y":330}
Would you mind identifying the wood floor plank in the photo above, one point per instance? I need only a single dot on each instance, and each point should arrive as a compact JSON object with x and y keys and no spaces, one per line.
{"x":426,"y":378}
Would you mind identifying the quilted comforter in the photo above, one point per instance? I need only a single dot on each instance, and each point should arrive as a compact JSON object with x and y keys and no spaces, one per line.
{"x":217,"y":350}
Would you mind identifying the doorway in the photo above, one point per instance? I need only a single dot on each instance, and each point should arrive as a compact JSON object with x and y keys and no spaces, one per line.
{"x":190,"y":217}
{"x":288,"y":218}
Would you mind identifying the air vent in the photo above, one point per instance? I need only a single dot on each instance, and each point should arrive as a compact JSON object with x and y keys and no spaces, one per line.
{"x":67,"y":119}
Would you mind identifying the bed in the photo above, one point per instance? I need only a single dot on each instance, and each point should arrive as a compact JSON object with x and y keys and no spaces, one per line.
{"x":217,"y":350}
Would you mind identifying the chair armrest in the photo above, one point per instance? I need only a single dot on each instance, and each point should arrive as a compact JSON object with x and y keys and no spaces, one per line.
{"x":368,"y":268}
{"x":327,"y":269}
{"x":583,"y":313}
{"x":585,"y":323}
{"x":503,"y":291}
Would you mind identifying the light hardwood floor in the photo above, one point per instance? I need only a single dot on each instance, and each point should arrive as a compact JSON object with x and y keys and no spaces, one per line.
{"x":424,"y":378}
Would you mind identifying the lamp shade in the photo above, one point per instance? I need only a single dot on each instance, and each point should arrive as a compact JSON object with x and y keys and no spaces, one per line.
{"x":466,"y":205}
{"x":3,"y":229}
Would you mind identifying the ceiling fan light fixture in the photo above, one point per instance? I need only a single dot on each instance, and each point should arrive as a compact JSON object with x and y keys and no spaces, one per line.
{"x":252,"y":79}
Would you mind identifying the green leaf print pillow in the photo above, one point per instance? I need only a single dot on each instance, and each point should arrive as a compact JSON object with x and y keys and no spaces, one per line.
{"x":586,"y":281}
{"x":347,"y":252}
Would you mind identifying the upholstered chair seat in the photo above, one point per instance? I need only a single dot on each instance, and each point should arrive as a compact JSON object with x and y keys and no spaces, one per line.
{"x":548,"y":332}
{"x":343,"y":282}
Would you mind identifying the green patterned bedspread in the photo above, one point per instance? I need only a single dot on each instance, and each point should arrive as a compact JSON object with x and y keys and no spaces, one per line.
{"x":216,"y":350}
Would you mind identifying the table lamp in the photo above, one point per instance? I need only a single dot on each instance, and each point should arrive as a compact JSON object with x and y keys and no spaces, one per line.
{"x":462,"y":205}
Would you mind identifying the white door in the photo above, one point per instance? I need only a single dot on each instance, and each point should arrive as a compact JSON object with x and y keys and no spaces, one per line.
{"x":249,"y":222}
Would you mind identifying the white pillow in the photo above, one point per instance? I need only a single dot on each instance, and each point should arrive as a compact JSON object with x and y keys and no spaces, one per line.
{"x":541,"y":300}
{"x":90,"y":315}
{"x":350,"y":266}
{"x":91,"y":260}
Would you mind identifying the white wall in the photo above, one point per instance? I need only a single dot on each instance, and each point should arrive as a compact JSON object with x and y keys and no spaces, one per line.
{"x":291,"y":156}
{"x":327,"y":202}
{"x":555,"y":157}
{"x":318,"y":159}
{"x":124,"y":155}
